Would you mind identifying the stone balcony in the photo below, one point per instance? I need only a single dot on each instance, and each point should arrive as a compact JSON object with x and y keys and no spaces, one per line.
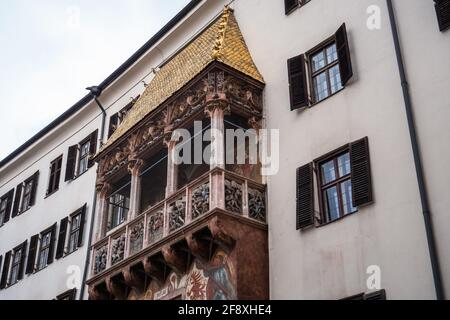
{"x":217,"y":210}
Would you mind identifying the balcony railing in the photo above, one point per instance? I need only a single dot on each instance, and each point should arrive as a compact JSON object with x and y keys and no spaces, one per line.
{"x":233,"y":193}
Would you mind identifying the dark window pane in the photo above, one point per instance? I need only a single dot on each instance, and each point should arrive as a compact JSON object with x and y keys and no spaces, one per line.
{"x":318,"y":61}
{"x":321,"y":86}
{"x":332,"y":204}
{"x":335,"y":79}
{"x":328,"y":172}
{"x":346,"y":190}
{"x":344,"y":165}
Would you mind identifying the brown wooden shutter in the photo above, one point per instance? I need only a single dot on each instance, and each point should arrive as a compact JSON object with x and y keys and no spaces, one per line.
{"x":17,"y":197}
{"x":290,"y":5}
{"x":9,"y":204}
{"x":51,"y":248}
{"x":443,"y":13}
{"x":343,"y":51}
{"x":82,"y":223}
{"x":305,"y":196}
{"x":377,"y":295}
{"x":22,"y":260}
{"x":5,"y":272}
{"x":92,"y":148}
{"x":32,"y":254}
{"x":297,"y":82}
{"x":61,"y":238}
{"x":34,"y":188}
{"x":71,"y":163}
{"x":361,"y":177}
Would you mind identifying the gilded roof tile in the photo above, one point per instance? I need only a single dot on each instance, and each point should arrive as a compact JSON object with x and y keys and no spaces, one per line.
{"x":221,"y":41}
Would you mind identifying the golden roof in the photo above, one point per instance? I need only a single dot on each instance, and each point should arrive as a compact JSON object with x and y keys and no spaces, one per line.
{"x":222,"y":41}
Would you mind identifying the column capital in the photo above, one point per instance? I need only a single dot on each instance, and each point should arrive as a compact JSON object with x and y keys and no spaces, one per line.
{"x":214,"y":105}
{"x":135,"y":166}
{"x":103,"y":188}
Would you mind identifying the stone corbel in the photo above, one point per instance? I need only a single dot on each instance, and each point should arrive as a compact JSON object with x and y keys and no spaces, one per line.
{"x":117,"y":288}
{"x":175,"y":259}
{"x":134,"y":279}
{"x":220,"y":235}
{"x":215,"y":105}
{"x":199,"y":248}
{"x":97,"y":294}
{"x":155,"y":270}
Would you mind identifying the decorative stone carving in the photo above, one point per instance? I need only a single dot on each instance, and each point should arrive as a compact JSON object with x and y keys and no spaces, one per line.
{"x":118,"y":249}
{"x":100,"y":259}
{"x":155,"y":226}
{"x":136,"y":237}
{"x":200,"y":200}
{"x":177,"y":214}
{"x":233,"y":196}
{"x":243,"y":94}
{"x":256,"y":205}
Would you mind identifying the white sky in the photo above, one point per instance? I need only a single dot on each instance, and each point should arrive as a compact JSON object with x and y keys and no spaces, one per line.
{"x":50,"y":51}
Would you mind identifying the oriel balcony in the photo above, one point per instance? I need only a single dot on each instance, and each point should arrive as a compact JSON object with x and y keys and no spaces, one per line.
{"x":211,"y":213}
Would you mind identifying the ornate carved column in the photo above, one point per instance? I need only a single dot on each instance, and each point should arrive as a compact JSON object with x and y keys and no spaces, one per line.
{"x":172,"y":168}
{"x":103,"y":189}
{"x":216,"y":110}
{"x":135,"y":167}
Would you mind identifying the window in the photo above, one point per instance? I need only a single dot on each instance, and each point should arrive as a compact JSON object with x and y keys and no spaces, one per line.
{"x":119,"y":205}
{"x":3,"y":204}
{"x":84,"y":157}
{"x":17,"y":257}
{"x":321,"y":72}
{"x":79,"y":157}
{"x":74,"y":235}
{"x":15,"y":266}
{"x":55,"y":174}
{"x":45,"y":255}
{"x":291,"y":5}
{"x":443,"y":13}
{"x":5,"y":207}
{"x":376,"y":295}
{"x":68,"y":295}
{"x":336,"y":187}
{"x":344,"y":184}
{"x":26,"y":197}
{"x":116,"y":119}
{"x":325,"y":73}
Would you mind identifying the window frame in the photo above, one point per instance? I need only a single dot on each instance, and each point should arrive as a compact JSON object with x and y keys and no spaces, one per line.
{"x":321,"y":187}
{"x":300,"y":3}
{"x":15,"y":265}
{"x":3,"y":200}
{"x":321,"y":47}
{"x":48,"y":231}
{"x":73,"y":216}
{"x":53,"y":182}
{"x":81,"y":157}
{"x":30,"y":181}
{"x":68,"y":295}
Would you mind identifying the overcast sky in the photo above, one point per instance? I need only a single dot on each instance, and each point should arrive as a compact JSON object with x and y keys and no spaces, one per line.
{"x":50,"y":51}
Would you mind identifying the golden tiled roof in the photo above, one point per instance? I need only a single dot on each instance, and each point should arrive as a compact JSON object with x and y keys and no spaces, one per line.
{"x":221,"y":41}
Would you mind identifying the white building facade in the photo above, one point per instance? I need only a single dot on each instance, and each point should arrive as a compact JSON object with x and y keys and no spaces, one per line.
{"x":348,"y":175}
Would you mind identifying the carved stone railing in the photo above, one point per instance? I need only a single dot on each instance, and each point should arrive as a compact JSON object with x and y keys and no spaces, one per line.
{"x":216,"y":189}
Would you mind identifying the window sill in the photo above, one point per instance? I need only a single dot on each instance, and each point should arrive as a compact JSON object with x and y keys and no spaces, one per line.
{"x":79,"y":175}
{"x":325,"y":99}
{"x":66,"y":254}
{"x":336,"y":220}
{"x":115,"y":229}
{"x":51,"y":193}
